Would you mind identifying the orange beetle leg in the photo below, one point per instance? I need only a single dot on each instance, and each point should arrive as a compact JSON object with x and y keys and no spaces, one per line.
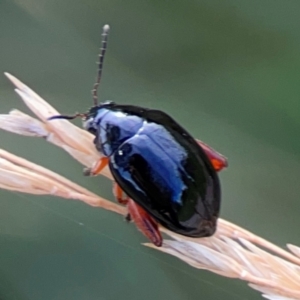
{"x":218,"y":161}
{"x":118,"y":193}
{"x":144,"y":222}
{"x":97,"y":168}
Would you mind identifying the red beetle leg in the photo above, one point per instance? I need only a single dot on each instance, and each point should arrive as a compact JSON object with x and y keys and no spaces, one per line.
{"x":119,"y":194}
{"x":97,"y":168}
{"x":144,"y":222}
{"x":218,"y":160}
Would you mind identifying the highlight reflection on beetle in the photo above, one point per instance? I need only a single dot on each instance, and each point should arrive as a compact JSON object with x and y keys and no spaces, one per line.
{"x":161,"y":172}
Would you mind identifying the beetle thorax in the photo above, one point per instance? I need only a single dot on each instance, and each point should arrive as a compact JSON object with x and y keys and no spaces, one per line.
{"x":112,"y":128}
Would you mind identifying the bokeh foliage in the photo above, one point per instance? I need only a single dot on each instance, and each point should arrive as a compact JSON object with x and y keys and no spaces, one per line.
{"x":227,"y":70}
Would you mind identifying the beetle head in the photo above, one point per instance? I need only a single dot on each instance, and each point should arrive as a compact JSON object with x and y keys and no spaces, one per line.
{"x":90,"y":120}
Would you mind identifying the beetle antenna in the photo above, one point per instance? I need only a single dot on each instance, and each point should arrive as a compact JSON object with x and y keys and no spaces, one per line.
{"x":67,"y":117}
{"x":101,"y":60}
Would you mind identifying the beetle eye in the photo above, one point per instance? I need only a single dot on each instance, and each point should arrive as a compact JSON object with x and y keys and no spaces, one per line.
{"x":88,"y":124}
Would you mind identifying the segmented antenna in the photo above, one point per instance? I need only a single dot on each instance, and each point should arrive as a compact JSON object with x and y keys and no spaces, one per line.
{"x":67,"y":117}
{"x":101,"y":60}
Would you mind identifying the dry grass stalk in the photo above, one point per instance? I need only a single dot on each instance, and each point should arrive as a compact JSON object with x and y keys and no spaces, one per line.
{"x":232,"y":252}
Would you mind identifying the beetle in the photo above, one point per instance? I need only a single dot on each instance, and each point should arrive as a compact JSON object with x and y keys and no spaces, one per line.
{"x":161,"y":172}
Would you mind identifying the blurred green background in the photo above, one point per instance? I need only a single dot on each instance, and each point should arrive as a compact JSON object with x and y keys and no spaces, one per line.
{"x":227,"y":70}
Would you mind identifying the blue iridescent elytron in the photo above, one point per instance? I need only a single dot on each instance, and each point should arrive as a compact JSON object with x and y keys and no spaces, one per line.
{"x":158,"y":165}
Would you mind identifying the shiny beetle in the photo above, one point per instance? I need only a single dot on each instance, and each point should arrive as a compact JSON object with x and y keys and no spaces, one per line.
{"x":161,"y":172}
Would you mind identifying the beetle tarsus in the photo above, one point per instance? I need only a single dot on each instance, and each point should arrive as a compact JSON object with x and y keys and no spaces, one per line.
{"x":128,"y":218}
{"x":87,"y":172}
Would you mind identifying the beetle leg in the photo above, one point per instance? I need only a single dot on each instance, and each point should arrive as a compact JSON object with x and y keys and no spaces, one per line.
{"x":137,"y":214}
{"x":128,"y":218}
{"x":218,"y":161}
{"x":97,"y":168}
{"x":145,"y":223}
{"x":119,"y":194}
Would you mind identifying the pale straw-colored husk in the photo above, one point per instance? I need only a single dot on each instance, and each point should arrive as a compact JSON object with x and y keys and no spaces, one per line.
{"x":232,"y":252}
